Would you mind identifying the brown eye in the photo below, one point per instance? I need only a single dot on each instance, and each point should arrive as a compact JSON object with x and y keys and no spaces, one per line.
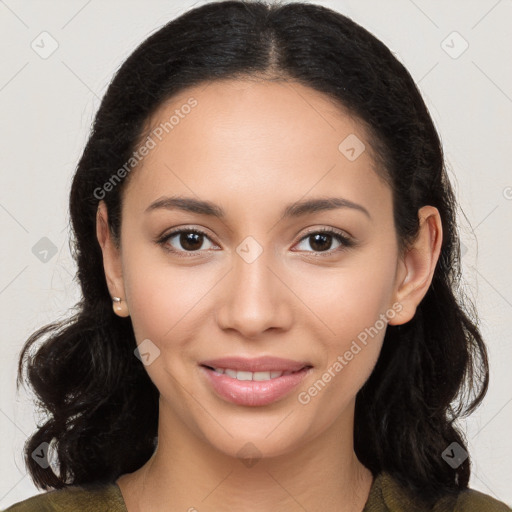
{"x":184,"y":241}
{"x":190,"y":241}
{"x":322,"y":240}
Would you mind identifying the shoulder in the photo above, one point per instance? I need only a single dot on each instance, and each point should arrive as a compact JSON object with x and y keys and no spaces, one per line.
{"x":388,"y":495}
{"x":86,"y":498}
{"x":471,"y":500}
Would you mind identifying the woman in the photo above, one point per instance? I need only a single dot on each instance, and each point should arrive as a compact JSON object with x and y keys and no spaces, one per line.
{"x":266,"y":244}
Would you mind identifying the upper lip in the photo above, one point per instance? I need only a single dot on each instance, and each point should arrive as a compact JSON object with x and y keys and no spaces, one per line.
{"x":258,"y":364}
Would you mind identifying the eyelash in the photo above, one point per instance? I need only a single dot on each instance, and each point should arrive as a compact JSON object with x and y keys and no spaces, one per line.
{"x":345,"y":241}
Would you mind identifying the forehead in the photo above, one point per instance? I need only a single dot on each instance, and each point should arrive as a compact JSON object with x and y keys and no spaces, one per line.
{"x":260,"y":141}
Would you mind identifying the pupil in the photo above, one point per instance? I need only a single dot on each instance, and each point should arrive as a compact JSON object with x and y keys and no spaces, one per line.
{"x":187,"y":241}
{"x":320,"y":236}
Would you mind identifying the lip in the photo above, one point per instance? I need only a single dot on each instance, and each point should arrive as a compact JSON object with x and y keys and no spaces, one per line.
{"x":258,"y":364}
{"x":251,"y":392}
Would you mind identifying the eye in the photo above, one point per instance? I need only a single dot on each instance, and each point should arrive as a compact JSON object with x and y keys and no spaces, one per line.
{"x":191,"y":241}
{"x":321,"y":241}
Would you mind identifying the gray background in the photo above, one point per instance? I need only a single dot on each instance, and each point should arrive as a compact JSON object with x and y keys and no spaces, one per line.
{"x":47,"y":107}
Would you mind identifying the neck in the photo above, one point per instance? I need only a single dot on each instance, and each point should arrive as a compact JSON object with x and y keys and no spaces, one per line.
{"x":188,"y":473}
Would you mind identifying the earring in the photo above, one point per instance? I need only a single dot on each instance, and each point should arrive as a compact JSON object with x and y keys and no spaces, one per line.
{"x":120,"y":308}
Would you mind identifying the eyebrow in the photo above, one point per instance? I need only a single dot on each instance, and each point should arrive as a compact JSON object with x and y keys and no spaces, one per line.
{"x":296,"y":209}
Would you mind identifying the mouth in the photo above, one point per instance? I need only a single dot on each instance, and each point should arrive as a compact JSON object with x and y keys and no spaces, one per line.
{"x":243,"y":375}
{"x":255,"y":365}
{"x":261,"y":387}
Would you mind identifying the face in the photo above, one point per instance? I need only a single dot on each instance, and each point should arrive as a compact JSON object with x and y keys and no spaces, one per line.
{"x":257,"y":281}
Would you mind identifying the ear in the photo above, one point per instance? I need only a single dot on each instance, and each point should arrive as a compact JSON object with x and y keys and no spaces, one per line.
{"x":111,"y":261}
{"x":417,"y":265}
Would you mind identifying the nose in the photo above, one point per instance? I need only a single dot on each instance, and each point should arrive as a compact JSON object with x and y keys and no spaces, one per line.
{"x":254,"y":297}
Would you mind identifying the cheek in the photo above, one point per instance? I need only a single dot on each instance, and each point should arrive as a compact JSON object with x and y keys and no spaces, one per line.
{"x":353,"y":303}
{"x":162,"y":297}
{"x":356,"y":319}
{"x":350,"y":298}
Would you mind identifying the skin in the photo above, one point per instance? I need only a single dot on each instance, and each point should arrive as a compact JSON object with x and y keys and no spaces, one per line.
{"x":253,"y":147}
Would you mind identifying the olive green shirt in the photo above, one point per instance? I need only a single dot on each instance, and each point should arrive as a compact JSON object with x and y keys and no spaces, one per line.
{"x":386,"y":495}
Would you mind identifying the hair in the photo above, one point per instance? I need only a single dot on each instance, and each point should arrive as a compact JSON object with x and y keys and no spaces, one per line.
{"x":101,"y":406}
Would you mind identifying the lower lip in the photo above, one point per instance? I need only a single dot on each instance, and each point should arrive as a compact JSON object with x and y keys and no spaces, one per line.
{"x":253,"y":392}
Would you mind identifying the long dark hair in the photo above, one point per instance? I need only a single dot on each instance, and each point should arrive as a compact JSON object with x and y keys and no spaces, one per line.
{"x":102,"y":406}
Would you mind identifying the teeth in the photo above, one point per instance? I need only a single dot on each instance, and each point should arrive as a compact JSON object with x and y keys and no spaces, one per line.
{"x":243,"y":375}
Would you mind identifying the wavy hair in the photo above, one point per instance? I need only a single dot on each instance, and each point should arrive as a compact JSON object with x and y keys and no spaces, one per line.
{"x":101,"y":406}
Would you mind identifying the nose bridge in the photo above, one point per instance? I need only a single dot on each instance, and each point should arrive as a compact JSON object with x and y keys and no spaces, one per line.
{"x":251,"y":266}
{"x":254,"y":299}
